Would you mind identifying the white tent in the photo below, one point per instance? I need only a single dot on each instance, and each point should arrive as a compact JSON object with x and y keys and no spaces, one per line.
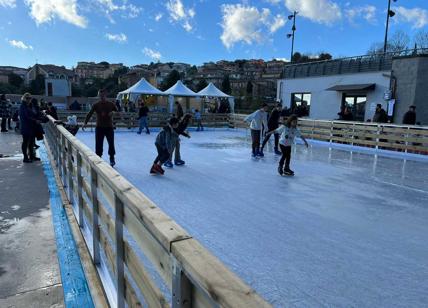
{"x":212,"y":91}
{"x":142,"y":87}
{"x":179,"y":89}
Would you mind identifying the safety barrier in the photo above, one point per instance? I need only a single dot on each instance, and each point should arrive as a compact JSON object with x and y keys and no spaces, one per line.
{"x":120,"y":223}
{"x":409,"y":139}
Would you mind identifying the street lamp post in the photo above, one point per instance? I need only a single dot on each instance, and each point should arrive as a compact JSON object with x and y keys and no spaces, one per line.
{"x":293,"y":29}
{"x":389,"y":13}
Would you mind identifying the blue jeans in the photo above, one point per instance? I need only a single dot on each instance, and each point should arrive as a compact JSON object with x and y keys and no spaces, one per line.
{"x":143,"y":124}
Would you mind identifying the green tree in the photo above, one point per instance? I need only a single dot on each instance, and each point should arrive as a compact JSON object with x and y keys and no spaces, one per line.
{"x":201,"y":85}
{"x":225,"y":85}
{"x":15,"y":80}
{"x":37,"y":86}
{"x":249,"y":88}
{"x":170,"y":80}
{"x":193,"y":70}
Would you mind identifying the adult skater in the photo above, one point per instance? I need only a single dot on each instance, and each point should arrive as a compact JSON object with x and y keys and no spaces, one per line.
{"x":273,"y":124}
{"x":198,"y":118}
{"x":179,"y":110}
{"x":180,"y":130}
{"x":165,"y":142}
{"x":142,"y":118}
{"x":410,"y":116}
{"x":380,"y":115}
{"x":28,"y":121}
{"x":258,"y":122}
{"x":288,"y":132}
{"x":104,"y":128}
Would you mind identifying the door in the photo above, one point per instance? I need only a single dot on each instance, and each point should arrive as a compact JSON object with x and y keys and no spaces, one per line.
{"x":357,"y":104}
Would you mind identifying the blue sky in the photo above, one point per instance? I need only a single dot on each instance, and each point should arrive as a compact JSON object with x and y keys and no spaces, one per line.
{"x":194,"y":31}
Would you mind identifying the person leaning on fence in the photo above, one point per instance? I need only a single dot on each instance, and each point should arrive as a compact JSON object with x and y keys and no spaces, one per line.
{"x":4,"y":112}
{"x":28,"y":123}
{"x":71,"y":125}
{"x":410,"y":116}
{"x":51,"y":110}
{"x":198,"y":118}
{"x":165,"y":142}
{"x":104,"y":126}
{"x":258,"y":122}
{"x":143,"y":113}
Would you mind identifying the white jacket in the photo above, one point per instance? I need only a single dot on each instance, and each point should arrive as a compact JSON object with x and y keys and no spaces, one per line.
{"x":288,"y":134}
{"x":258,"y":120}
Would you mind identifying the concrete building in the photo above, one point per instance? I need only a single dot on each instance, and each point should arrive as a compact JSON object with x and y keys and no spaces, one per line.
{"x":58,"y":79}
{"x":326,"y":87}
{"x":102,"y":70}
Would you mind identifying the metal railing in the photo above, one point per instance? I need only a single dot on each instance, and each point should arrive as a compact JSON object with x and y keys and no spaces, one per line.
{"x":366,"y":63}
{"x":106,"y":204}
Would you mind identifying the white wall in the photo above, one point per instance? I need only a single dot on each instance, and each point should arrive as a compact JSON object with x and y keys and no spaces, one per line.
{"x":60,"y":87}
{"x":326,"y":104}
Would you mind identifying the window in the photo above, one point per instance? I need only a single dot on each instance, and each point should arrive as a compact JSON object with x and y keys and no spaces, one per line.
{"x":50,"y":89}
{"x":357,"y":104}
{"x":301,"y":104}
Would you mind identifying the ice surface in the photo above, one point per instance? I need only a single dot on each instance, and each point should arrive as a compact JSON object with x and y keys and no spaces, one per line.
{"x":348,"y":230}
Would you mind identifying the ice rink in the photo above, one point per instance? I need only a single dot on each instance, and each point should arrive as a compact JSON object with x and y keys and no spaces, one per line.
{"x":349,"y":230}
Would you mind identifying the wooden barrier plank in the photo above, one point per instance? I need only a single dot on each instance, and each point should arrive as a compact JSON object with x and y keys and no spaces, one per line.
{"x":219,"y":283}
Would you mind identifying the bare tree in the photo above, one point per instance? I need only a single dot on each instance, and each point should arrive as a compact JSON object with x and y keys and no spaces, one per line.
{"x":421,"y":39}
{"x":398,"y":42}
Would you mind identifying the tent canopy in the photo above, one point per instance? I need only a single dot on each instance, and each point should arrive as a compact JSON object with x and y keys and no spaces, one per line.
{"x":142,"y":87}
{"x":212,"y":91}
{"x":179,"y":89}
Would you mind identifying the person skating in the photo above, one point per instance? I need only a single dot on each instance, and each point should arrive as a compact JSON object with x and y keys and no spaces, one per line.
{"x":273,"y":124}
{"x":4,"y":113}
{"x":198,"y":118}
{"x":288,"y":132}
{"x":180,"y":130}
{"x":142,"y":118}
{"x":165,"y":142}
{"x":104,"y":127}
{"x":28,"y":122}
{"x":258,"y":122}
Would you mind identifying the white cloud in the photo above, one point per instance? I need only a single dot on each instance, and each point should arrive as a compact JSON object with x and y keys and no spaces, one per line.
{"x":158,"y":16}
{"x":181,"y":14}
{"x":20,"y":45}
{"x":247,"y":24}
{"x":118,"y":38}
{"x":47,"y":10}
{"x":155,"y":55}
{"x":418,"y":17}
{"x":8,"y":3}
{"x":367,"y":12}
{"x":273,"y":2}
{"x":320,"y":11}
{"x":108,"y":7}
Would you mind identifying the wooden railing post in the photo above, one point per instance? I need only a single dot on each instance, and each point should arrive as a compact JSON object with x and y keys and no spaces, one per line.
{"x":95,"y":213}
{"x":70,"y":173}
{"x":181,"y":288}
{"x":120,"y":274}
{"x":79,"y":189}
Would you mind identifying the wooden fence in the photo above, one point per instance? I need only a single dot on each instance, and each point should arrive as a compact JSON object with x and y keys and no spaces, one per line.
{"x":107,"y":204}
{"x":409,"y":139}
{"x":129,"y":119}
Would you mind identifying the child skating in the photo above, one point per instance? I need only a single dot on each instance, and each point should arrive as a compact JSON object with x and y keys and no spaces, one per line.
{"x":288,"y":132}
{"x":258,"y":123}
{"x":165,"y":142}
{"x":180,"y":130}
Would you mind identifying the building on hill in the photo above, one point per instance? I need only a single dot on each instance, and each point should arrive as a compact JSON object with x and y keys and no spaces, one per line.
{"x":102,"y":70}
{"x":135,"y":73}
{"x":5,"y":71}
{"x":359,"y":83}
{"x":58,"y":79}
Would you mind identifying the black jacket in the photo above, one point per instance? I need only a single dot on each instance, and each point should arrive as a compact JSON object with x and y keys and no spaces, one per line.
{"x":143,"y":112}
{"x":273,"y":122}
{"x":181,"y":128}
{"x":409,"y":118}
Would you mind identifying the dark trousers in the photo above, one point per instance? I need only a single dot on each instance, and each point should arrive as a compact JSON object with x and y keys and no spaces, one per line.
{"x":3,"y":124}
{"x":199,"y":122}
{"x":100,"y":133}
{"x":27,"y":146}
{"x":163,"y":155}
{"x":286,"y":157}
{"x":276,"y":136}
{"x":255,"y":137}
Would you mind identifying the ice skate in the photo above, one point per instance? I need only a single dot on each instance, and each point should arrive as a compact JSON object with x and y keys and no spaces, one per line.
{"x":153,"y":170}
{"x":280,"y":171}
{"x":159,"y":169}
{"x":168,"y":164}
{"x":288,"y":172}
{"x":260,"y":154}
{"x":277,"y":152}
{"x":179,"y":162}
